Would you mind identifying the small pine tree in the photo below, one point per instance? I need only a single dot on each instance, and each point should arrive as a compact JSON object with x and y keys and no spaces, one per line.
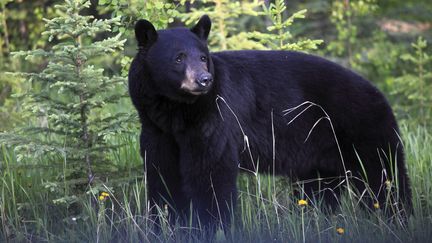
{"x":416,"y":86}
{"x":344,"y":15}
{"x":69,"y":95}
{"x":279,"y":36}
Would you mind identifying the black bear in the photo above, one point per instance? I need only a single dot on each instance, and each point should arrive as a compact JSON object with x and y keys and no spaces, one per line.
{"x":205,"y":116}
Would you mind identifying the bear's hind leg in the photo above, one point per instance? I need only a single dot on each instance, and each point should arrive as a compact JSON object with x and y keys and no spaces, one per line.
{"x":381,"y":177}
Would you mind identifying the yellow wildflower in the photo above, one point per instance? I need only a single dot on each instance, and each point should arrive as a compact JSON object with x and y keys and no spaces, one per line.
{"x":376,"y":205}
{"x":101,"y":198}
{"x":302,"y":202}
{"x":105,"y":194}
{"x":388,"y":184}
{"x":340,"y":230}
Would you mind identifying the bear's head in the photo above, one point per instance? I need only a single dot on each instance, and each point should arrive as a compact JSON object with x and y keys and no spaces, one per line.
{"x":177,"y":60}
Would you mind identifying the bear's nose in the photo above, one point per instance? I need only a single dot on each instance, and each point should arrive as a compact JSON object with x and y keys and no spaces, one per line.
{"x":204,"y":80}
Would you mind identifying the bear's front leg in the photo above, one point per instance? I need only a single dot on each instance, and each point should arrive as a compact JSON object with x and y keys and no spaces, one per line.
{"x":210,"y":183}
{"x":160,"y":155}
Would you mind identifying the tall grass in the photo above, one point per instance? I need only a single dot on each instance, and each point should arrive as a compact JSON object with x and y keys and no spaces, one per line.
{"x":267,"y":211}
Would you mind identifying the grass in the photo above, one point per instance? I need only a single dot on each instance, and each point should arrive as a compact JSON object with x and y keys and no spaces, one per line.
{"x":39,"y":204}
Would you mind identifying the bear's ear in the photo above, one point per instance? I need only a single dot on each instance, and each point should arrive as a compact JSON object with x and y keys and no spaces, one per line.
{"x":202,"y":28}
{"x":145,"y":33}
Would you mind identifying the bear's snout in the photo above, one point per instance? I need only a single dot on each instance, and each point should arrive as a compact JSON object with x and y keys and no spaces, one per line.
{"x":204,"y":80}
{"x":196,"y":82}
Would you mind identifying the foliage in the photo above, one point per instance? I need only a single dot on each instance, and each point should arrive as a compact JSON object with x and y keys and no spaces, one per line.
{"x":20,"y":27}
{"x":159,"y":12}
{"x":379,"y":61}
{"x":344,"y":16}
{"x":416,"y":84}
{"x":226,"y":33}
{"x":278,"y":35}
{"x":69,"y":95}
{"x":4,"y":41}
{"x":225,"y":15}
{"x":418,"y":10}
{"x":5,"y":84}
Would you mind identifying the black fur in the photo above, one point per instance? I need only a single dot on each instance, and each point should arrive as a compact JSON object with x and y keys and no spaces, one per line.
{"x":193,"y":145}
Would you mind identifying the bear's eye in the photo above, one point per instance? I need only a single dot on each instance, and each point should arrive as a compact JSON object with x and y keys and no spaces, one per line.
{"x":179,"y":58}
{"x":203,"y":58}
